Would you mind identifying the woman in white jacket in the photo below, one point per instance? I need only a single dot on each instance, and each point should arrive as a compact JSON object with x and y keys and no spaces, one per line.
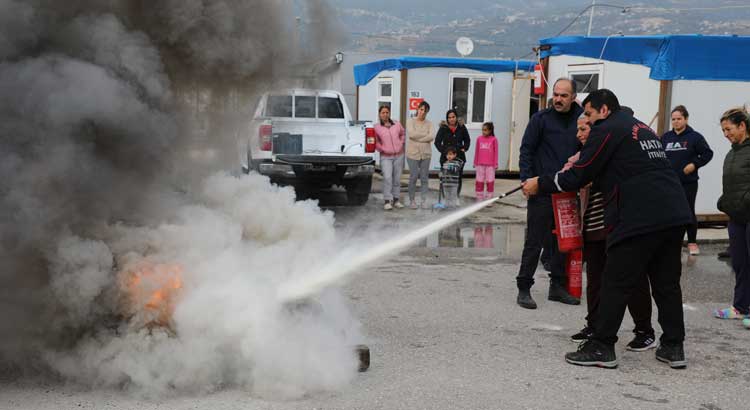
{"x":421,"y":133}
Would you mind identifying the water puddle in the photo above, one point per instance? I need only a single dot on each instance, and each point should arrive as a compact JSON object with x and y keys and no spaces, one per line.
{"x":507,"y":239}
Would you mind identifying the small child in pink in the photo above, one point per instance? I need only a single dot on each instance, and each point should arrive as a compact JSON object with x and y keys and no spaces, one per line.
{"x":485,"y":161}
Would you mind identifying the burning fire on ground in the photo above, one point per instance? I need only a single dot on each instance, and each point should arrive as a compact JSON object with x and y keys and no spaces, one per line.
{"x":151,"y":291}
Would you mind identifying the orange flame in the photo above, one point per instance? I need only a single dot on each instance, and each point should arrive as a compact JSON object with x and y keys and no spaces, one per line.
{"x":151,"y":291}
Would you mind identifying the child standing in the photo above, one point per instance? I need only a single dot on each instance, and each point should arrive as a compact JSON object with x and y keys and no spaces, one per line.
{"x":450,"y":177}
{"x":485,"y":161}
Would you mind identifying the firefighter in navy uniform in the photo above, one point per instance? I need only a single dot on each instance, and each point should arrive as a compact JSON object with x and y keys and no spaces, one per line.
{"x":646,"y":213}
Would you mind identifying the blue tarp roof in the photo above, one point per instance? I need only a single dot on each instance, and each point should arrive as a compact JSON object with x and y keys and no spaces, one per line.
{"x":363,"y":73}
{"x":678,"y":57}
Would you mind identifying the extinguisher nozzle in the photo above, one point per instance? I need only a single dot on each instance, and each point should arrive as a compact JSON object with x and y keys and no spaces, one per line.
{"x":516,"y":189}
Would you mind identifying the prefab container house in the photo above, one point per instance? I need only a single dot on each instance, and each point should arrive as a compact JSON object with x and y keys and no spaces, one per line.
{"x":480,"y":90}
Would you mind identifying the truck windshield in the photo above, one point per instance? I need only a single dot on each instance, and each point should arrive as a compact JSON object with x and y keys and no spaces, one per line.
{"x":330,"y":107}
{"x":279,"y":106}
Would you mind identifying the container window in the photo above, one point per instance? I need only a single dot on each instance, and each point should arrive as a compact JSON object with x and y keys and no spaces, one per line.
{"x":471,"y":97}
{"x":385,"y":92}
{"x":386,"y":89}
{"x":478,"y":100}
{"x":586,"y":83}
{"x":460,"y":97}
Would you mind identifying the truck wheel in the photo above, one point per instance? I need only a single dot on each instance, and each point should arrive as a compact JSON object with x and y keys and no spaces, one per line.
{"x":358,"y":191}
{"x":356,"y":199}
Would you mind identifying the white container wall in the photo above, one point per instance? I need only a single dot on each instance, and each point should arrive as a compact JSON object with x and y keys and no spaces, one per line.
{"x":629,"y":82}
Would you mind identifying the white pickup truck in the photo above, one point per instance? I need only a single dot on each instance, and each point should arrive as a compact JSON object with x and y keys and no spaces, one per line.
{"x":307,"y":139}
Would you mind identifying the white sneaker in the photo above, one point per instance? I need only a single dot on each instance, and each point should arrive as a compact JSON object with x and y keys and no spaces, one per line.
{"x":387,"y":206}
{"x":413,"y":205}
{"x":398,"y":205}
{"x":693,"y":249}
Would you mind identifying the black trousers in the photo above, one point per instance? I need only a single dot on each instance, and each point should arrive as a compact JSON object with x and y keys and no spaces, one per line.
{"x":540,"y":221}
{"x":739,"y":249}
{"x":656,"y":255}
{"x":545,"y":256}
{"x":691,"y":191}
{"x":639,"y":305}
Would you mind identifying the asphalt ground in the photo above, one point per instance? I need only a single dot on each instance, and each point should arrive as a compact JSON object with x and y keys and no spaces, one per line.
{"x":445,"y":333}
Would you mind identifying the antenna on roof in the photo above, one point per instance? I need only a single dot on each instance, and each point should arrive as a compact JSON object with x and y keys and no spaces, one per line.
{"x":464,"y":46}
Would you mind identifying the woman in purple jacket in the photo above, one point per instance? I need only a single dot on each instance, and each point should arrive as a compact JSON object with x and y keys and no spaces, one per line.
{"x":389,"y":142}
{"x":687,"y":150}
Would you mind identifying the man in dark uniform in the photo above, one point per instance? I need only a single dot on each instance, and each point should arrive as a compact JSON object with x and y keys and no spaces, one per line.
{"x":645,"y":214}
{"x":549,"y":140}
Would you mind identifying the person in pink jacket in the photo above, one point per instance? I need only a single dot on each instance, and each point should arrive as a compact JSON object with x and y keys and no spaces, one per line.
{"x":389,"y":142}
{"x":485,"y":161}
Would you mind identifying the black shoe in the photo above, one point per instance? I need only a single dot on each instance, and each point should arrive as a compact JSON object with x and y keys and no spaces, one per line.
{"x":582,"y":336}
{"x":558,"y":294}
{"x":525,"y":300}
{"x":673,"y":355}
{"x":724,"y":254}
{"x":642,"y":342}
{"x":593,"y":353}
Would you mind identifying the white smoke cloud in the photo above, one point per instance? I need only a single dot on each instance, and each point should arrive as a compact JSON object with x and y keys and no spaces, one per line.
{"x":229,"y":328}
{"x":92,"y":122}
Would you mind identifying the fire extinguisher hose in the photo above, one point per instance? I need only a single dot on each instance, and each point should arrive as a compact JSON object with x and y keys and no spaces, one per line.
{"x":518,"y":188}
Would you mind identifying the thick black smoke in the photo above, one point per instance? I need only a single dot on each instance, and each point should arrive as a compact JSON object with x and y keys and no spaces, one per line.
{"x":98,"y":100}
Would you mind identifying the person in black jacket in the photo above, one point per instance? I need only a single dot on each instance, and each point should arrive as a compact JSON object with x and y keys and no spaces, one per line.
{"x":549,"y":140}
{"x":687,"y":150}
{"x":645,"y":216}
{"x":453,"y":134}
{"x":735,"y":202}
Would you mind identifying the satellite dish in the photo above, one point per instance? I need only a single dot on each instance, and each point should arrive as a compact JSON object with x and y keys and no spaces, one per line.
{"x":464,"y":46}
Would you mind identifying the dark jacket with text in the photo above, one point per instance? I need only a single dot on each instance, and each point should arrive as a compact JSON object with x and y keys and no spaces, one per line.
{"x":642,"y":193}
{"x":684,"y":148}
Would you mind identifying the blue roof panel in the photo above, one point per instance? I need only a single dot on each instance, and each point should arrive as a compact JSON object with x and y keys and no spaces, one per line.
{"x":678,"y":57}
{"x":363,"y":73}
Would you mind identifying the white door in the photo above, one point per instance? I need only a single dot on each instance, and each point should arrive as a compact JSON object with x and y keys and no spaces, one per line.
{"x":471,"y":97}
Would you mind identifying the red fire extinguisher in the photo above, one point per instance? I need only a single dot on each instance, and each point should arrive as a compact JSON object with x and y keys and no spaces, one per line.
{"x":569,"y":238}
{"x":538,"y":80}
{"x":574,"y":269}
{"x":567,"y":221}
{"x":369,"y":140}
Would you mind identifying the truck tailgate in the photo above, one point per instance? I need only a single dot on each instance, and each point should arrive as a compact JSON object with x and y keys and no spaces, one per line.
{"x":318,"y":136}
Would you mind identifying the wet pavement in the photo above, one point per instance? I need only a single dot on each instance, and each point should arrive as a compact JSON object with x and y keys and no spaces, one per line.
{"x":497,"y":232}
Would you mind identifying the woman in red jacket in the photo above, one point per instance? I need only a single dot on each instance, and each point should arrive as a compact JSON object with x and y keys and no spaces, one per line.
{"x":389,"y":142}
